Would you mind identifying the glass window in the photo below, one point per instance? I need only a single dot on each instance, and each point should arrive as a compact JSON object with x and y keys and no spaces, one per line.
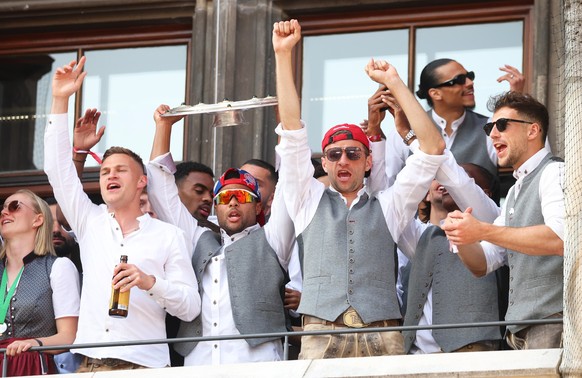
{"x":481,"y":48}
{"x":25,"y":100}
{"x":127,"y":85}
{"x":335,"y":87}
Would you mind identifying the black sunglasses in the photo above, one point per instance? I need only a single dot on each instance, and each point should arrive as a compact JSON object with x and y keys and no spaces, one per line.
{"x":501,"y":124}
{"x":15,"y":205}
{"x":335,"y":153}
{"x":459,"y":79}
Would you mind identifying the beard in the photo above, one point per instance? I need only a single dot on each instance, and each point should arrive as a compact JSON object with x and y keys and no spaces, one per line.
{"x":66,"y":249}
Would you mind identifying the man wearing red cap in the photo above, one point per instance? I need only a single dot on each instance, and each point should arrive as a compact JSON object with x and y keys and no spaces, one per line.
{"x":240,"y":276}
{"x":345,"y":232}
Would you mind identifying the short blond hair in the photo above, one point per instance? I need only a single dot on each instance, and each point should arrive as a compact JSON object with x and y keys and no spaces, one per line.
{"x":43,"y":240}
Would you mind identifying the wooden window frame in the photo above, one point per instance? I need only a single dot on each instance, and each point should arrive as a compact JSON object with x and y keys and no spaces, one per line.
{"x":78,"y":41}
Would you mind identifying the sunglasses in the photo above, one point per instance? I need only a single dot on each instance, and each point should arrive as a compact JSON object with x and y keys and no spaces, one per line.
{"x":14,"y":206}
{"x":459,"y":79}
{"x":501,"y":124}
{"x":241,"y":195}
{"x":335,"y":153}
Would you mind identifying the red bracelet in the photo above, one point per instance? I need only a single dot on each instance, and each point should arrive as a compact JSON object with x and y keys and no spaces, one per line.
{"x":375,"y":138}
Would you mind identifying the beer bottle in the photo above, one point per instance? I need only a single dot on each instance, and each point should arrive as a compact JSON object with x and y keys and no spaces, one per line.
{"x":119,"y":303}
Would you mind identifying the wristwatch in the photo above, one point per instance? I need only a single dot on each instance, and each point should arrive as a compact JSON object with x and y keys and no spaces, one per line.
{"x":408,"y":137}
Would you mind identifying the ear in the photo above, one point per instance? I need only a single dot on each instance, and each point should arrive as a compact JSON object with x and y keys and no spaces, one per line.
{"x":534,"y":130}
{"x":435,"y":94}
{"x":142,"y":182}
{"x":38,"y":221}
{"x":324,"y":164}
{"x":368,"y":162}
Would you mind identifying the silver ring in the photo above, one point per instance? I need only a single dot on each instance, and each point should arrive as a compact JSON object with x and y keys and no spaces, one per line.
{"x":511,"y":76}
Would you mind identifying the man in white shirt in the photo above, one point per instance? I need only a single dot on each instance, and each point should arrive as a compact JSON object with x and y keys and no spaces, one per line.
{"x":344,"y":231}
{"x":240,"y":274}
{"x":528,"y":235}
{"x":158,"y":273}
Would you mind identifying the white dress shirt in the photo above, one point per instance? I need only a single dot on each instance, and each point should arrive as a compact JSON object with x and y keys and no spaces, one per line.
{"x":157,"y":248}
{"x":217,"y":318}
{"x":551,"y":194}
{"x":66,"y":289}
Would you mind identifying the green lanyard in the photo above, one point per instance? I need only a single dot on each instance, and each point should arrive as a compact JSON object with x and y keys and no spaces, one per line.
{"x":6,"y":297}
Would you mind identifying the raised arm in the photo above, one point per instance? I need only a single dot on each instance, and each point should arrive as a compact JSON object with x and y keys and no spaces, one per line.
{"x":85,"y":137}
{"x":66,"y":82}
{"x":431,"y":142}
{"x":163,"y":133}
{"x":286,"y":34}
{"x":512,"y":75}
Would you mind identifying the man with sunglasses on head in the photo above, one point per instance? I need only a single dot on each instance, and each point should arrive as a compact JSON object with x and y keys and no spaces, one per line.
{"x":528,"y":235}
{"x":240,"y":276}
{"x":344,"y":231}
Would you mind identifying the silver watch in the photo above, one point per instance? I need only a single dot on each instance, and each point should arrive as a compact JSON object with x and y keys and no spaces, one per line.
{"x":409,"y":136}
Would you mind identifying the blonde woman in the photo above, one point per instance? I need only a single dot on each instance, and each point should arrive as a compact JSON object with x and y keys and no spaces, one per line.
{"x":39,"y":293}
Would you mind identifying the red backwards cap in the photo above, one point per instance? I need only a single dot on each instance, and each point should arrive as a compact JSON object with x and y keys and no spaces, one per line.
{"x":345,"y":131}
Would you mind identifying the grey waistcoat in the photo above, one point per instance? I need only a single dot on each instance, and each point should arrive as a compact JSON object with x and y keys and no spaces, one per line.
{"x":31,"y":312}
{"x":536,"y":283}
{"x":256,"y":283}
{"x":457,"y":295}
{"x":470,"y":145}
{"x":347,"y":257}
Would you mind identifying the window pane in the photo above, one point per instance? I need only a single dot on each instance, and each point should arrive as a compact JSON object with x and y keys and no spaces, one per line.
{"x":25,"y":100}
{"x":481,"y":48}
{"x":335,"y":87}
{"x":127,"y":85}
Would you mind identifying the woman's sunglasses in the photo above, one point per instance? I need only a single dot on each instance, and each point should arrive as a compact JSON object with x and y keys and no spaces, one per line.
{"x":15,"y":205}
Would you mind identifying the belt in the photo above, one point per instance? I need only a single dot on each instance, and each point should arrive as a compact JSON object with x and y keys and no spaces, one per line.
{"x":111,"y":362}
{"x":339,"y":322}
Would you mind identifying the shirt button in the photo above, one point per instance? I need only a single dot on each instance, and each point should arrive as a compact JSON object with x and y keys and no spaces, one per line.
{"x":215,"y":346}
{"x":216,"y":259}
{"x":121,"y":244}
{"x":213,"y":302}
{"x":215,"y":281}
{"x":215,"y":324}
{"x":106,"y":329}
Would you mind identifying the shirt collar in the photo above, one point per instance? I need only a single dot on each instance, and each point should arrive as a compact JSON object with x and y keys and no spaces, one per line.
{"x":530,"y":164}
{"x":358,"y":195}
{"x":442,"y":123}
{"x":229,"y":239}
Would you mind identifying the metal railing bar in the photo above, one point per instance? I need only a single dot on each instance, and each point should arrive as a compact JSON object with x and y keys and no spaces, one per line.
{"x":291,"y":333}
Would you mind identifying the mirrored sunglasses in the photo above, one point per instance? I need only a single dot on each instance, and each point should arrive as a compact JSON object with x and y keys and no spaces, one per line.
{"x":241,"y":195}
{"x":16,"y":205}
{"x":459,"y":79}
{"x":335,"y":153}
{"x":501,"y":124}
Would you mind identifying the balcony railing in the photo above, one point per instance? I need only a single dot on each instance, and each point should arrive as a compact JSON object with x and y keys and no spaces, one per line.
{"x":284,"y":335}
